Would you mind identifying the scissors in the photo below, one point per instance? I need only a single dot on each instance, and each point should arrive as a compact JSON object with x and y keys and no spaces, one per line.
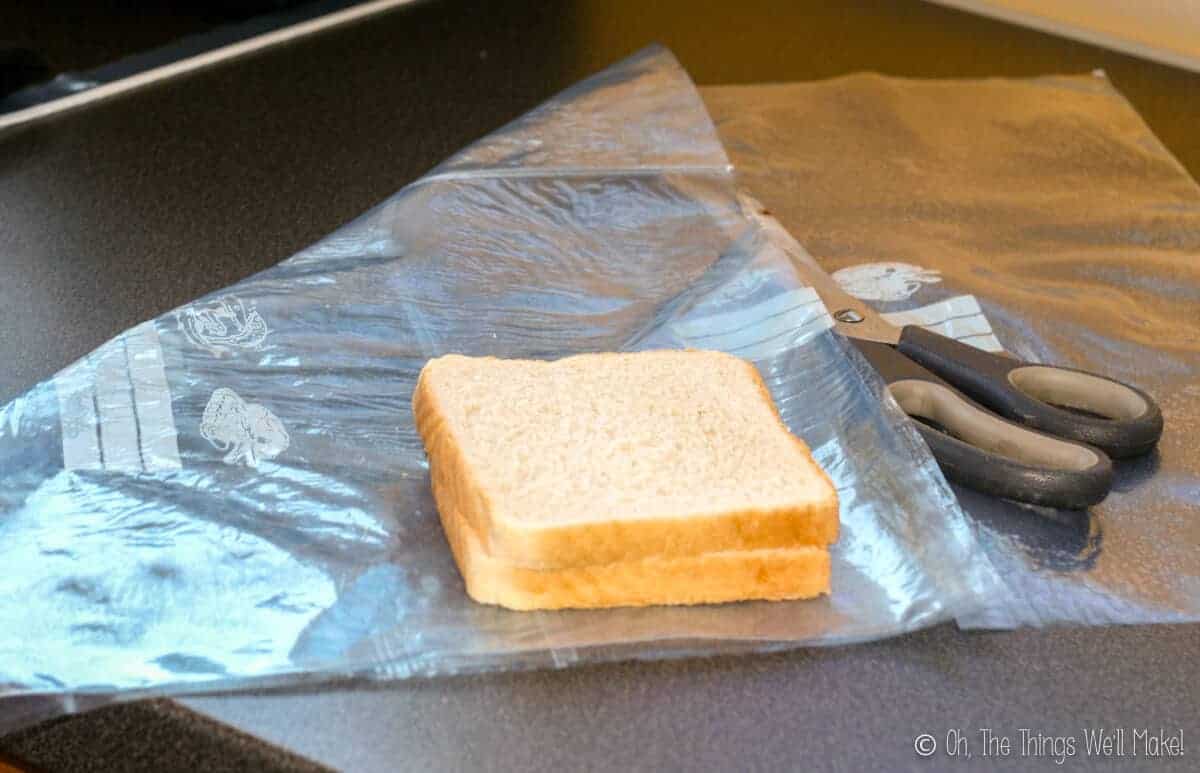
{"x":1033,"y":433}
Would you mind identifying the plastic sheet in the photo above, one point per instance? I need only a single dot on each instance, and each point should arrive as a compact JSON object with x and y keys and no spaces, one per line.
{"x":1039,"y":216}
{"x":235,"y":491}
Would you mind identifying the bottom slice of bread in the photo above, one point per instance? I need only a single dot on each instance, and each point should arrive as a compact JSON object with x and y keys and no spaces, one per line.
{"x":735,"y":575}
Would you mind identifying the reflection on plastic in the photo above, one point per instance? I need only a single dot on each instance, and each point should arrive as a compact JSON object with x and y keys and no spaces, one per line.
{"x":294,"y":533}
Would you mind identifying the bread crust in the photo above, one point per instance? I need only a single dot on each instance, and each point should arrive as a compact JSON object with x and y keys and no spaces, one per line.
{"x":734,"y":575}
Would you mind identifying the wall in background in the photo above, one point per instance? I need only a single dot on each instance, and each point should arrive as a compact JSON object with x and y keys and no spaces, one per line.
{"x":1164,"y":30}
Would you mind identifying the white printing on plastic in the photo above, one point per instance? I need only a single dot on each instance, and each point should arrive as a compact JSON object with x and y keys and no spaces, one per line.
{"x":115,"y":408}
{"x":223,"y":325}
{"x":248,"y":431}
{"x":885,"y":281}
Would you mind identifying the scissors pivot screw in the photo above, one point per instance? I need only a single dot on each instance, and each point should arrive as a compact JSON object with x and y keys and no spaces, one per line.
{"x":847,"y":315}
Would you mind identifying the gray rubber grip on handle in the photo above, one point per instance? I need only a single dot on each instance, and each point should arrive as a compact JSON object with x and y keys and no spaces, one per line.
{"x":989,"y":454}
{"x":1127,"y":421}
{"x":985,"y":452}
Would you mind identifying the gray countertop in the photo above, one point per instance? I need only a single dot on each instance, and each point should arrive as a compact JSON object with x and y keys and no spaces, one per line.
{"x":852,"y":708}
{"x":116,"y":213}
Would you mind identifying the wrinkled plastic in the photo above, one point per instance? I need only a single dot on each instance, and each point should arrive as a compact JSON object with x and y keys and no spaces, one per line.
{"x":1040,"y":216}
{"x":235,"y":491}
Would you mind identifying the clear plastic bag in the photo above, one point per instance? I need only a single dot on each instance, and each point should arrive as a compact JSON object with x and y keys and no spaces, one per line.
{"x":1041,"y":216}
{"x":235,"y":491}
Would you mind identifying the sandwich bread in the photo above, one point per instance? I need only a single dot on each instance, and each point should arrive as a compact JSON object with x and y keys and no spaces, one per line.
{"x":588,"y":480}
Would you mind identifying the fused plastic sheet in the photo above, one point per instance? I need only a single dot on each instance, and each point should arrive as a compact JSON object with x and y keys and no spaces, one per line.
{"x":1041,"y":216}
{"x":235,"y":491}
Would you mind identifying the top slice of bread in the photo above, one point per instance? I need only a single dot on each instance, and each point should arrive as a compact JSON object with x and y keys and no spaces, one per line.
{"x":600,"y":458}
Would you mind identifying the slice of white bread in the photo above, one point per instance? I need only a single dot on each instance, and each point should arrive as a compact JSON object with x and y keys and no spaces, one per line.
{"x":608,"y":458}
{"x":730,"y":575}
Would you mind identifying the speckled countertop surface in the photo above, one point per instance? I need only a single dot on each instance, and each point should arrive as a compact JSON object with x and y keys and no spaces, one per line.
{"x":119,"y":212}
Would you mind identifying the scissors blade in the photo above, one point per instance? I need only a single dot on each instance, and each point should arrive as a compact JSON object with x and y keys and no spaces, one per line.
{"x":852,"y":317}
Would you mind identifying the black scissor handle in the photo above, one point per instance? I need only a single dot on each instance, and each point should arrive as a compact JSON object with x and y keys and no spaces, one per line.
{"x":980,"y":450}
{"x":1121,"y":420}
